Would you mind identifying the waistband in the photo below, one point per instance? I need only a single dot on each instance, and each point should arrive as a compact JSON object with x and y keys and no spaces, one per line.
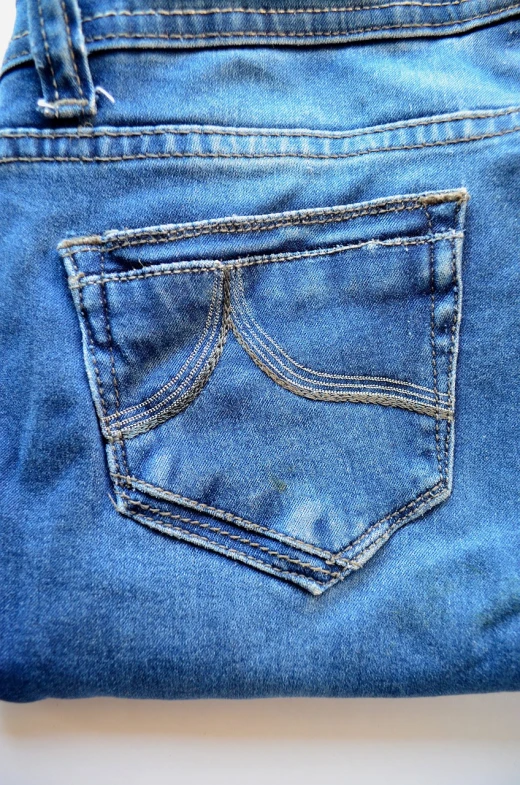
{"x":58,"y":35}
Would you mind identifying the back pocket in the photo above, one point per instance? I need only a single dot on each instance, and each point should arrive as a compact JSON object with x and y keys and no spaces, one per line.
{"x":278,"y":388}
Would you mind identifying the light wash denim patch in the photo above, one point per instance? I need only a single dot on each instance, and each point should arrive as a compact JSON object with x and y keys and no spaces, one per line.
{"x":258,"y":313}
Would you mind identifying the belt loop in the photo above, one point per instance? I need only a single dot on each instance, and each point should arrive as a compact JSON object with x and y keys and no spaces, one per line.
{"x":60,"y":55}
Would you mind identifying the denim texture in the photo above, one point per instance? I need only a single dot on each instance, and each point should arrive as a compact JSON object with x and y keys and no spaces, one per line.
{"x":257,"y":315}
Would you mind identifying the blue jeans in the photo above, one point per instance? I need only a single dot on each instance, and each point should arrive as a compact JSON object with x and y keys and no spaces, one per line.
{"x":258,"y":313}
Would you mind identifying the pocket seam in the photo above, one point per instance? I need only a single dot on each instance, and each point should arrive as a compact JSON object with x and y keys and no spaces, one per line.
{"x":214,"y":227}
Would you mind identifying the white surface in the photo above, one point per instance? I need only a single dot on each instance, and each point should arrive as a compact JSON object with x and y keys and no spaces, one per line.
{"x":469,"y":740}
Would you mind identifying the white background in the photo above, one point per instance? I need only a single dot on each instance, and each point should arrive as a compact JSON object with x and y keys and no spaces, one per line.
{"x":466,"y":740}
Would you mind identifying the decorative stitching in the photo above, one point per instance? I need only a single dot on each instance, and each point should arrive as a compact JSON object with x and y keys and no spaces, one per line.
{"x":133,"y":482}
{"x":87,"y":133}
{"x":71,"y":48}
{"x":267,"y":259}
{"x":326,"y":395}
{"x":47,"y":53}
{"x":19,"y":35}
{"x":299,"y":34}
{"x":233,"y":226}
{"x":142,"y":156}
{"x":222,"y":548}
{"x":243,"y":308}
{"x":161,"y":412}
{"x":211,"y":322}
{"x":236,"y":537}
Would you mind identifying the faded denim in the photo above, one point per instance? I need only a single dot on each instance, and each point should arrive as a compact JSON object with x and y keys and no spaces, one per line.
{"x":258,"y":313}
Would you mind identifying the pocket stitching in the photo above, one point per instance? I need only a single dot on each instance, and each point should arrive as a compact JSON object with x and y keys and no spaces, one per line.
{"x":215,"y":227}
{"x":222,"y":532}
{"x":255,"y":329}
{"x":210,"y":324}
{"x":430,"y":495}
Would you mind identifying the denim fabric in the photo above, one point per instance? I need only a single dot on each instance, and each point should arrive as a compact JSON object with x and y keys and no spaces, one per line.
{"x":259,"y":313}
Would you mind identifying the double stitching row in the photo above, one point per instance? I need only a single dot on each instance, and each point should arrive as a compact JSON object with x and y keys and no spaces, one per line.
{"x":233,"y":552}
{"x":93,"y":133}
{"x":272,"y":11}
{"x":137,"y":484}
{"x":303,"y":34}
{"x":232,"y":226}
{"x":79,"y":283}
{"x":247,"y":156}
{"x":235,"y":537}
{"x":331,"y":557}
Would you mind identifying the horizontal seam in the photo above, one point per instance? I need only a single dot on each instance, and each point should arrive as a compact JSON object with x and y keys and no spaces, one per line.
{"x":326,"y":215}
{"x":306,"y":34}
{"x":85,"y":134}
{"x":134,"y":481}
{"x":236,"y":537}
{"x":142,"y":156}
{"x":270,"y":11}
{"x":271,"y":259}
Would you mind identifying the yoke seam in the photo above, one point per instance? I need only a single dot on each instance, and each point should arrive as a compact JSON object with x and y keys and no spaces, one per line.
{"x":142,"y":156}
{"x":82,"y":133}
